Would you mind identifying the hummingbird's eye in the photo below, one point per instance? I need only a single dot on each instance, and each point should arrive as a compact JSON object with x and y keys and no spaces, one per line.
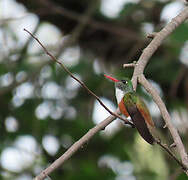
{"x":124,"y":81}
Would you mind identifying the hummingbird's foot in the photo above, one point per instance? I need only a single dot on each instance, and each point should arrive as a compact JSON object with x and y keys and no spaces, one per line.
{"x":131,"y":122}
{"x":129,"y":119}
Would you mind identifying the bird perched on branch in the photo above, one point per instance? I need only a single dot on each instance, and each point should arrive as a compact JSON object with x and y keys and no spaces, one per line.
{"x":130,"y":104}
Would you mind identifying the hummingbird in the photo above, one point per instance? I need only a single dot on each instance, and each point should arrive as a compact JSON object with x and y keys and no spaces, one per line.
{"x":130,"y":104}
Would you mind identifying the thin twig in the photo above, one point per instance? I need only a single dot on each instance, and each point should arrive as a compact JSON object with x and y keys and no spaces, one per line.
{"x":166,"y":148}
{"x":76,"y":146}
{"x":129,"y":65}
{"x":79,"y":81}
{"x":151,"y":35}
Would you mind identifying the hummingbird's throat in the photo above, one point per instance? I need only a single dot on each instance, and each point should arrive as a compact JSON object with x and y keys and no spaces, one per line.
{"x":119,"y":94}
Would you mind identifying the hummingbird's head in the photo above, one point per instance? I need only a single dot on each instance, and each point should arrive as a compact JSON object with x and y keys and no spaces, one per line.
{"x":124,"y":85}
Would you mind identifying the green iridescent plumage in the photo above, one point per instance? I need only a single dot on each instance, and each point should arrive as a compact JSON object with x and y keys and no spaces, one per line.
{"x":135,"y":107}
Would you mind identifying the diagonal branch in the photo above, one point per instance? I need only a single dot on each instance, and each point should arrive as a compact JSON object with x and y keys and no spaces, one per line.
{"x":166,"y":148}
{"x":79,"y":81}
{"x":75,"y":147}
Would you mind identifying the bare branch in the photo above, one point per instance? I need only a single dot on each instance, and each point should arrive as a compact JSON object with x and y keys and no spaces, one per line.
{"x":130,"y":65}
{"x":151,"y":35}
{"x":79,"y":81}
{"x":76,"y":146}
{"x":166,"y":148}
{"x":155,"y":43}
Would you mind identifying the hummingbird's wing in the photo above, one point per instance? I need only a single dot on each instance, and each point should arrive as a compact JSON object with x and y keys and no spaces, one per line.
{"x":144,"y":111}
{"x":138,"y":114}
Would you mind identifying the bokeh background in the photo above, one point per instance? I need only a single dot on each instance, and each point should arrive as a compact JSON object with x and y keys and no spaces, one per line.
{"x":43,"y":111}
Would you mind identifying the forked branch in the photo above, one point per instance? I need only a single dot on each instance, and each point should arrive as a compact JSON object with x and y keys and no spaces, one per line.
{"x":138,"y":76}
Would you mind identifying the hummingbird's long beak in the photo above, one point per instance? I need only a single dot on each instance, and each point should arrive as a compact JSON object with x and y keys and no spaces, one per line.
{"x":111,"y":78}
